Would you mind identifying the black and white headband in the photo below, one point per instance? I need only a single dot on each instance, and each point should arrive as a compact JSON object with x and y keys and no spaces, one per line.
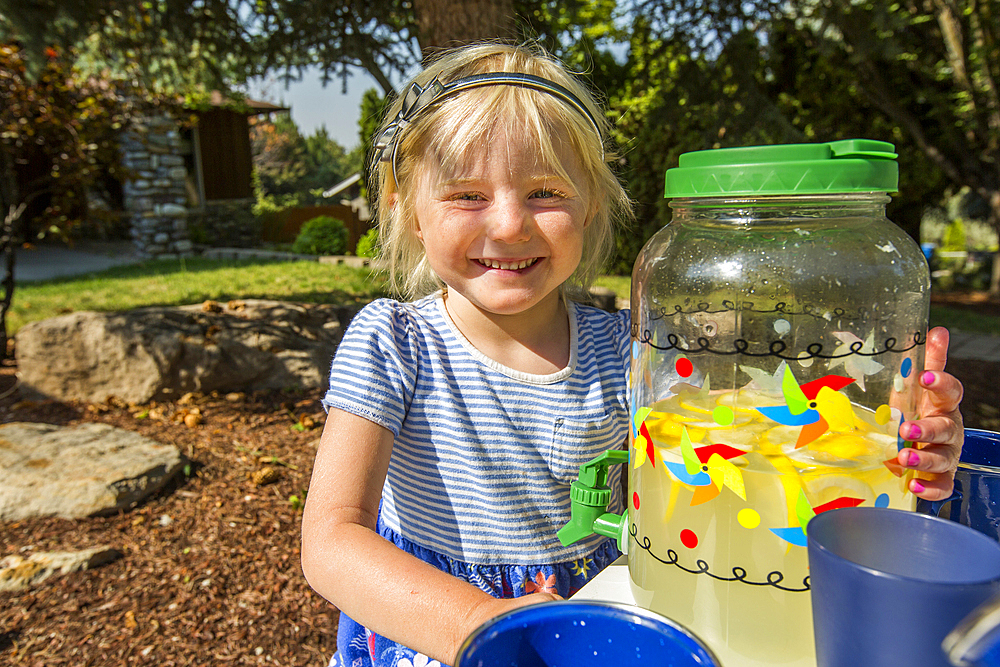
{"x":417,"y":99}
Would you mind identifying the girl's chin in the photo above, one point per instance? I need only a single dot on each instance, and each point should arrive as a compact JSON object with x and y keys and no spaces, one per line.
{"x":499,"y":303}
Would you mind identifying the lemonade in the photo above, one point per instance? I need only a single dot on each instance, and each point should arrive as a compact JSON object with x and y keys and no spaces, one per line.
{"x":725,"y":493}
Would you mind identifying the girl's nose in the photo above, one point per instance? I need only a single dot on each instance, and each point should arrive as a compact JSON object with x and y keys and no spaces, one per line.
{"x":510,"y":221}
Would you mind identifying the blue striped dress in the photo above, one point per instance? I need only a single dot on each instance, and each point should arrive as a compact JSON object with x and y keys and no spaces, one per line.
{"x":483,"y":455}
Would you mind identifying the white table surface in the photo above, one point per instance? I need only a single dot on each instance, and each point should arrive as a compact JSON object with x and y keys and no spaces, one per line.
{"x":611,"y":585}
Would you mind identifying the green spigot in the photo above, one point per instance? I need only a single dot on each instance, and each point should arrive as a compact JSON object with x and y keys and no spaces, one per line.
{"x":589,"y":497}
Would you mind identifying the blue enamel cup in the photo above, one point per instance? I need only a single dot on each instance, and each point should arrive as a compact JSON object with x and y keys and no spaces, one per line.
{"x":976,"y":501}
{"x":572,"y":633}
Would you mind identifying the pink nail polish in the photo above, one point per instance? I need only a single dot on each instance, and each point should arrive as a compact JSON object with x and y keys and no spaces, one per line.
{"x":917,"y":487}
{"x":915,"y":432}
{"x":913,"y":460}
{"x":928,"y":378}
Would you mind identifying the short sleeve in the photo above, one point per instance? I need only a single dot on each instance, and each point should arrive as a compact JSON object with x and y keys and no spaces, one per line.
{"x":374,"y":369}
{"x":623,"y":336}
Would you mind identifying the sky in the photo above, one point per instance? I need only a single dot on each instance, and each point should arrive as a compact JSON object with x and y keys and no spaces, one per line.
{"x":314,"y":105}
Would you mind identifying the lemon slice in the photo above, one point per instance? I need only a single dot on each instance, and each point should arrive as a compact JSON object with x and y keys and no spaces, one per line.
{"x":747,"y":400}
{"x":779,"y":440}
{"x":825,"y":488}
{"x":841,"y":446}
{"x":694,"y":407}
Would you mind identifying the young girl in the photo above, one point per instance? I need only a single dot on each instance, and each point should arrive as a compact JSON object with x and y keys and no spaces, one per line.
{"x":457,"y":421}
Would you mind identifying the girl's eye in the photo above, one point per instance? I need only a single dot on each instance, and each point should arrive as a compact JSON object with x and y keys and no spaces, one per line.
{"x":467,"y":196}
{"x":546,"y":194}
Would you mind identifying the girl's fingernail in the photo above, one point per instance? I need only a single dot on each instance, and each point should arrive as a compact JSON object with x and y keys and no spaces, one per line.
{"x":917,"y":487}
{"x":928,"y":378}
{"x":915,"y":432}
{"x":913,"y":459}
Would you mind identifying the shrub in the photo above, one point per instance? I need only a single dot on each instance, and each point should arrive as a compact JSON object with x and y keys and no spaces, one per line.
{"x":368,"y":244}
{"x":321,"y":236}
{"x":954,"y":236}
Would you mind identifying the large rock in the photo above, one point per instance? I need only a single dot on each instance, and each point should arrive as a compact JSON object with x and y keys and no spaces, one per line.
{"x":165,"y":352}
{"x":78,"y":471}
{"x":18,"y":573}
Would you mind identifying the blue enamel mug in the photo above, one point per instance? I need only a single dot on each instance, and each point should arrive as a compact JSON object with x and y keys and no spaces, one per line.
{"x":579,"y":633}
{"x":976,"y":501}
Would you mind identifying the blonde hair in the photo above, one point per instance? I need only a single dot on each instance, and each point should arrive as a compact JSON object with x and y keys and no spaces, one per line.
{"x":454,"y":129}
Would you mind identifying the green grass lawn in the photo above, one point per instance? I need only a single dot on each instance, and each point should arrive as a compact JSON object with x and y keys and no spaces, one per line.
{"x":189,"y":281}
{"x":964,"y":320}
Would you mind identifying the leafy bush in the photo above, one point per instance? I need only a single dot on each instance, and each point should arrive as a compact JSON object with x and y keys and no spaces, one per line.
{"x":321,"y":236}
{"x":368,"y":244}
{"x":954,"y":236}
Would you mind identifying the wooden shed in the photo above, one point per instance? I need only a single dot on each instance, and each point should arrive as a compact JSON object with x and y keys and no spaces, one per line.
{"x":217,"y":151}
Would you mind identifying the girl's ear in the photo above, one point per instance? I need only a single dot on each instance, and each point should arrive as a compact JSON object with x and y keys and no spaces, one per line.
{"x":591,"y":213}
{"x":416,"y":229}
{"x":393,"y":201}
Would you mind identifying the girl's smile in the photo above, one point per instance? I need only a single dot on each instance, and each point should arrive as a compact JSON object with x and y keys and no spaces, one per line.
{"x":507,"y":265}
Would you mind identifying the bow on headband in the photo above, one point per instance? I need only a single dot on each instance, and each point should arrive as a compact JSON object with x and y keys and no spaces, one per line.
{"x":417,"y":99}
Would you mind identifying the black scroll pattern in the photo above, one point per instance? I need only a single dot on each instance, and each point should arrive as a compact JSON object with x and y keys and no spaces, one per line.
{"x":729,"y":306}
{"x":776,"y":348}
{"x":773,"y":579}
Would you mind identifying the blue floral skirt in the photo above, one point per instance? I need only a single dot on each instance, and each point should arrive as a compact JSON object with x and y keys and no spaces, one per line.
{"x":359,"y":647}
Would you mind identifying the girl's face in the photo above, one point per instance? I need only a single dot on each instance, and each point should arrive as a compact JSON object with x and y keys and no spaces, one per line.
{"x":503,"y":231}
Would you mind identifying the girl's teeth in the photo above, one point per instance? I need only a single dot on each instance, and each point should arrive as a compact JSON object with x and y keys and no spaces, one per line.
{"x":508,"y":266}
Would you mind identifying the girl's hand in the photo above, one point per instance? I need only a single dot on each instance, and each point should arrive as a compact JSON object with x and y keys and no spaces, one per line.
{"x":939,"y":433}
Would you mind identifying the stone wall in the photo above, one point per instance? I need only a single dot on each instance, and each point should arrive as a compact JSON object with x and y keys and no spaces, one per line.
{"x":155,"y":196}
{"x":227,"y":224}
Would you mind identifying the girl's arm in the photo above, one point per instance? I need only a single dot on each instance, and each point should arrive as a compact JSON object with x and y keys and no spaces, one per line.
{"x":939,"y":432}
{"x":344,"y":559}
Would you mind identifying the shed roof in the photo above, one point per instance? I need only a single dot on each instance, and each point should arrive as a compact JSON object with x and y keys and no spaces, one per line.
{"x":257,"y":107}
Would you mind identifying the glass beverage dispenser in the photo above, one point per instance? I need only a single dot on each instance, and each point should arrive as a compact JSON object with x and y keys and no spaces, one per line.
{"x":778,"y":330}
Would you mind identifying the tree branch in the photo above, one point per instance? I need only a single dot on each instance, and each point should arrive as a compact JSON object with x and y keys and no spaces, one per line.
{"x":989,"y":81}
{"x":951,"y":29}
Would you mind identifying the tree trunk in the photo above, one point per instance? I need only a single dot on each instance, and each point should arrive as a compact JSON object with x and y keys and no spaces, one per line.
{"x":995,"y":276}
{"x":994,"y":200}
{"x":7,"y":281}
{"x":445,"y":24}
{"x":10,"y":211}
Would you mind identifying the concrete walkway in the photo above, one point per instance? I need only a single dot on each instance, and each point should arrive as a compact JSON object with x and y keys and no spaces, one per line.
{"x":47,"y":262}
{"x":974,"y":346}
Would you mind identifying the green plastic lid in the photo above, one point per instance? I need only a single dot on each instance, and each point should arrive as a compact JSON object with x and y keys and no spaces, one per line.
{"x":850,"y":165}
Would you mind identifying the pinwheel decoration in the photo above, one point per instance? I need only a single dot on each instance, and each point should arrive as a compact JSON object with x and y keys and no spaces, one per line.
{"x":642,"y":441}
{"x":708,"y":469}
{"x":804,"y":511}
{"x":797,"y":534}
{"x":816,"y":406}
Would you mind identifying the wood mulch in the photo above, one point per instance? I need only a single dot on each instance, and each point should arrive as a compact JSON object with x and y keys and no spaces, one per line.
{"x":210,"y":572}
{"x":978,"y":302}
